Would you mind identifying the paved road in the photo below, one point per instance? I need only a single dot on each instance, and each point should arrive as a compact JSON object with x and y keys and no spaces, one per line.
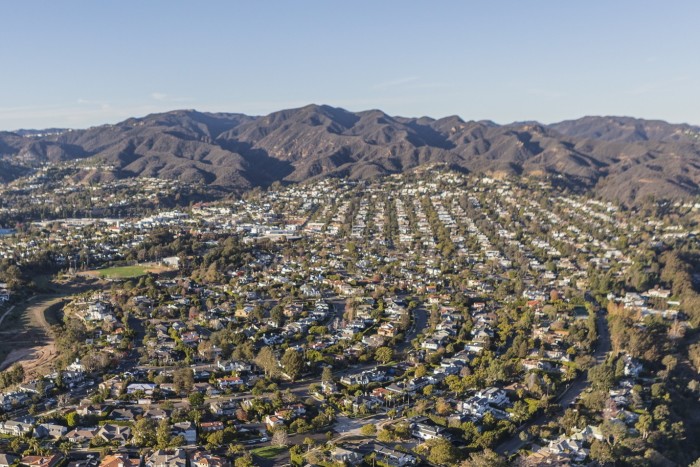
{"x":420,"y":322}
{"x":571,"y":393}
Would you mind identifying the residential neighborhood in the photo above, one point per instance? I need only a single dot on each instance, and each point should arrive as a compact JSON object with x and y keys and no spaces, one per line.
{"x":428,"y":318}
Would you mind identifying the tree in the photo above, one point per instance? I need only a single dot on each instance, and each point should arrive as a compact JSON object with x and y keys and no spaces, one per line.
{"x":384,"y":355}
{"x":72,"y":419}
{"x":441,"y":452}
{"x":215,"y":440}
{"x":327,"y":374}
{"x":455,"y":384}
{"x":442,"y":407}
{"x":644,"y":425}
{"x":601,"y":376}
{"x":309,"y":442}
{"x":670,"y":362}
{"x":65,"y":447}
{"x":385,"y":436}
{"x":293,"y":363}
{"x":144,"y":432}
{"x":183,"y":380}
{"x":246,"y":460}
{"x":267,"y":361}
{"x":485,"y":458}
{"x":601,"y":452}
{"x":196,"y":400}
{"x":368,"y":430}
{"x":163,"y":434}
{"x":296,"y":454}
{"x":234,"y":448}
{"x":613,"y":431}
{"x":280,"y":437}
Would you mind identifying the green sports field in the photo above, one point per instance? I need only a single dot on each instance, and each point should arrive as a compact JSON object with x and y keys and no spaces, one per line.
{"x":123,"y":272}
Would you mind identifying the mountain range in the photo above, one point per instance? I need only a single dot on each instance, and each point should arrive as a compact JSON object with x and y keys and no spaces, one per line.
{"x":617,"y":158}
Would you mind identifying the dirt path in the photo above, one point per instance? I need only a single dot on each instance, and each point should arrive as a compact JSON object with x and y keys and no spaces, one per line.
{"x":9,"y":310}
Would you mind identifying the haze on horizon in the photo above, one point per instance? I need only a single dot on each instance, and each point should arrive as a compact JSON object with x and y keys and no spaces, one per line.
{"x":86,"y":63}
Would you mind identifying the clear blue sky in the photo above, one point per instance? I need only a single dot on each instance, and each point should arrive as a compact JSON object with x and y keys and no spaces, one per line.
{"x":83,"y":63}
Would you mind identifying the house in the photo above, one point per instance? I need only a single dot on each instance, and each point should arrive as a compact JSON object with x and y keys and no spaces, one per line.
{"x":347,"y":456}
{"x":6,"y":460}
{"x":156,"y":414}
{"x":273,"y":421}
{"x":632,"y":367}
{"x":117,"y":433}
{"x":297,"y":409}
{"x":72,"y":378}
{"x":205,"y":459}
{"x":223,"y":408}
{"x":147,"y":388}
{"x":425,"y":432}
{"x":358,"y":403}
{"x":204,"y":388}
{"x":329,"y":387}
{"x":34,"y":386}
{"x":374,"y":340}
{"x":50,"y":430}
{"x":15,"y":428}
{"x":351,"y":380}
{"x":230,"y":382}
{"x":120,"y":460}
{"x":570,"y":448}
{"x":124,"y":414}
{"x":392,"y":457}
{"x":89,"y":461}
{"x":382,"y":393}
{"x":236,"y":366}
{"x":430,"y":344}
{"x":112,"y":386}
{"x":187,"y":430}
{"x":42,"y":461}
{"x":209,"y":427}
{"x":387,"y":330}
{"x":201,"y":375}
{"x":89,"y":409}
{"x":476,"y":406}
{"x":416,"y":384}
{"x":589,"y":433}
{"x":167,"y":458}
{"x":11,"y":400}
{"x":494,"y":396}
{"x":81,"y":435}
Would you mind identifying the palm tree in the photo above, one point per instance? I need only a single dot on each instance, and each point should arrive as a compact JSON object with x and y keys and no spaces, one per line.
{"x":65,"y":447}
{"x":33,"y":447}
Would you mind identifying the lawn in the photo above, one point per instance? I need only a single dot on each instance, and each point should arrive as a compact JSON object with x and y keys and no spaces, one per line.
{"x":269,"y":452}
{"x":124,"y":272}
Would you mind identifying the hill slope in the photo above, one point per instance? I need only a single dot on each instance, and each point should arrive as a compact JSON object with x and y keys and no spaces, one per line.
{"x":620,"y":158}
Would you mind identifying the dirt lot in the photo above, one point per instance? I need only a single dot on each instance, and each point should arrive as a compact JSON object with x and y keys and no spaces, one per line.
{"x":25,"y":336}
{"x":25,"y":331}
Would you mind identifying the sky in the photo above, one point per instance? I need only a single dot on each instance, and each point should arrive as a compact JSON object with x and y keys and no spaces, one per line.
{"x":83,"y":63}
